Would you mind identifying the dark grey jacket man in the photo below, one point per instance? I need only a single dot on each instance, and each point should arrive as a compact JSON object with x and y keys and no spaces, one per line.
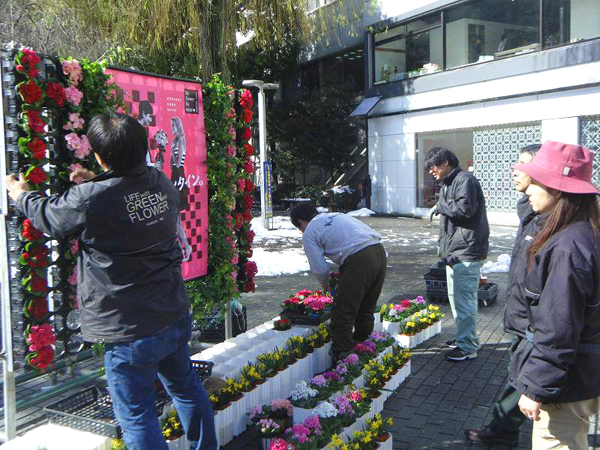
{"x":464,"y":230}
{"x":463,"y":245}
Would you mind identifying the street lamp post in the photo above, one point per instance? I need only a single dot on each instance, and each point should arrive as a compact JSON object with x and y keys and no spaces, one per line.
{"x":262,"y":137}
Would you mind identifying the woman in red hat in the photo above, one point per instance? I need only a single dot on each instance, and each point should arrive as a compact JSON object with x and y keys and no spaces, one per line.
{"x":557,"y":368}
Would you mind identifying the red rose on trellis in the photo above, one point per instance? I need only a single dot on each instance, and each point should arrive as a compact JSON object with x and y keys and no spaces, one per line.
{"x":249,"y":166}
{"x":251,"y":269}
{"x":38,"y":308}
{"x":249,"y":236}
{"x":42,"y":358}
{"x":247,"y":115}
{"x":249,"y":187}
{"x":37,"y":147}
{"x":38,"y":257}
{"x":30,"y":92}
{"x":28,"y":63}
{"x":247,"y":134}
{"x":56,"y":92}
{"x":246,"y":100}
{"x":38,"y":284}
{"x":247,"y":215}
{"x":247,"y":202}
{"x":249,"y":286}
{"x":35,"y":121}
{"x":249,"y":150}
{"x":31,"y":233}
{"x":36,"y":175}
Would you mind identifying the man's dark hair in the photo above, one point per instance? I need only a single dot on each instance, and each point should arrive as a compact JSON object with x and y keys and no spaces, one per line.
{"x":530,"y":149}
{"x":119,"y":139}
{"x":302,"y":211}
{"x":438,"y":156}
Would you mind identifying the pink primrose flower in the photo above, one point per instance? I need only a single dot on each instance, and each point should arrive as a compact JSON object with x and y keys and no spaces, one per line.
{"x":73,"y":95}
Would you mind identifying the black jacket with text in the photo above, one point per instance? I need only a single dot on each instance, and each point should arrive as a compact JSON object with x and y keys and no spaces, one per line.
{"x":560,"y":361}
{"x":129,"y":267}
{"x":515,"y":312}
{"x":464,"y":229}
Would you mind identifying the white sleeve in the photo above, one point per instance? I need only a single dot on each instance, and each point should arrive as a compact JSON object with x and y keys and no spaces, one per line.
{"x":316,"y":257}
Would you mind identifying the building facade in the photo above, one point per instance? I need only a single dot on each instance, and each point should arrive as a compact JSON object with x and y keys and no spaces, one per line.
{"x":482,"y":77}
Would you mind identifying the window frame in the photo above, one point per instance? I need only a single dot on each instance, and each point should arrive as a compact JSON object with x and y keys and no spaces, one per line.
{"x":442,"y":11}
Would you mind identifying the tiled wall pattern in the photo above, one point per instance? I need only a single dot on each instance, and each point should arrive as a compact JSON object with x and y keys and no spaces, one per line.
{"x":495,"y":150}
{"x":590,"y":138}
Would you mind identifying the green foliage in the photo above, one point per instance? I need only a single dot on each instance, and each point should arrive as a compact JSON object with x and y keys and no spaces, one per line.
{"x":218,"y":286}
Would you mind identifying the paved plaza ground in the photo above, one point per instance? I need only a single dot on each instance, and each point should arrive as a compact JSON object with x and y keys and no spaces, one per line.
{"x":440,"y":398}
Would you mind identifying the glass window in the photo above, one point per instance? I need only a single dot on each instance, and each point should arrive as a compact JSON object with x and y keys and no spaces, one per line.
{"x":568,"y":21}
{"x":460,"y":142}
{"x":487,"y":29}
{"x":408,"y":52}
{"x":310,"y":79}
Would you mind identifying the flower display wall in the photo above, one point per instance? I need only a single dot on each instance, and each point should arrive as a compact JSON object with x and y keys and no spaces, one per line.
{"x":230,"y":170}
{"x":56,"y":100}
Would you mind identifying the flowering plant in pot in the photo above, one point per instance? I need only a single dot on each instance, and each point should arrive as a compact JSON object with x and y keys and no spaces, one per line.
{"x":395,"y":359}
{"x":251,"y":373}
{"x":272,"y":419}
{"x":359,"y":400}
{"x":381,"y":339}
{"x":171,"y":427}
{"x":376,"y":427}
{"x":282,"y":324}
{"x":304,"y":396}
{"x":327,"y":383}
{"x":399,"y":311}
{"x":349,"y":367}
{"x":320,"y":336}
{"x":228,"y":393}
{"x":297,"y":346}
{"x":365,"y":350}
{"x":281,"y":444}
{"x":305,"y":435}
{"x":330,"y":418}
{"x":345,"y":408}
{"x":376,"y":377}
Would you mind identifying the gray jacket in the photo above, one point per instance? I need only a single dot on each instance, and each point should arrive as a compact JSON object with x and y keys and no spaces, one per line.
{"x":464,"y":229}
{"x":129,"y":266}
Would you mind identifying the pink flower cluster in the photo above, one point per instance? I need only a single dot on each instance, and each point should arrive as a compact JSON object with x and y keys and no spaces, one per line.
{"x":72,"y":280}
{"x":80,"y":145}
{"x":73,"y":70}
{"x":231,"y":151}
{"x":342,"y":404}
{"x":74,"y":246}
{"x":351,"y":359}
{"x":299,"y":433}
{"x":40,"y":336}
{"x":363,"y":348}
{"x":75,"y":122}
{"x":318,"y":380}
{"x":281,"y":444}
{"x":318,"y":303}
{"x":73,"y":95}
{"x":282,"y":403}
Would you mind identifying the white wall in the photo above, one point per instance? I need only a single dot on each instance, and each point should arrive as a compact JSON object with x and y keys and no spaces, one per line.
{"x":585,"y":19}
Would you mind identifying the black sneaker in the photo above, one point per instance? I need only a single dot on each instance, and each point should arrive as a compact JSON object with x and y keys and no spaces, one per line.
{"x":486,"y":435}
{"x":450,"y":344}
{"x":458,"y":354}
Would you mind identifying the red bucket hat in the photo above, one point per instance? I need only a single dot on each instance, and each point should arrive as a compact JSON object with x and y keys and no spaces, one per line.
{"x":564,"y":167}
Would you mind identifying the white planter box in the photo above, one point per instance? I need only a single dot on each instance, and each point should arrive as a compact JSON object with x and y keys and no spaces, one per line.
{"x":300,"y":414}
{"x":390,"y":327}
{"x":179,"y":444}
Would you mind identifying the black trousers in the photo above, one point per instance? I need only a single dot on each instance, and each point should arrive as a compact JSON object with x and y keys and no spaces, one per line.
{"x":361,"y":279}
{"x":507,"y":415}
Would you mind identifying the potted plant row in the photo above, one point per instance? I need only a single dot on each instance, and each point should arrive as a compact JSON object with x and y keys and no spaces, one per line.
{"x":307,"y":307}
{"x":411,"y":322}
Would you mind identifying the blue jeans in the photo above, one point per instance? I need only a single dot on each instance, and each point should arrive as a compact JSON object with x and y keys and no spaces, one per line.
{"x":463,"y":283}
{"x":131,"y":369}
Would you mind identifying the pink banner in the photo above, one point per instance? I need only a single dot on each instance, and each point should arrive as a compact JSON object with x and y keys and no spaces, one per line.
{"x":171,"y":111}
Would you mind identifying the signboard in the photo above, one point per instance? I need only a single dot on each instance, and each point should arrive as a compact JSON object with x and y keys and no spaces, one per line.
{"x":268,"y":171}
{"x":171,"y":112}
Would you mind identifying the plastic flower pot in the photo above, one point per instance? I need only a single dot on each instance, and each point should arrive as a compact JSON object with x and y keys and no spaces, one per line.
{"x":300,"y":414}
{"x":390,"y":327}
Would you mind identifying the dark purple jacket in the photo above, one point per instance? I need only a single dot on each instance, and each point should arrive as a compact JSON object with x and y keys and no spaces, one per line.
{"x":560,"y":360}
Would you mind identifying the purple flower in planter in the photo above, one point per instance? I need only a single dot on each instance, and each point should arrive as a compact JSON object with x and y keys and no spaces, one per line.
{"x":420,"y":300}
{"x":370,"y":344}
{"x":332,"y":376}
{"x":351,"y":359}
{"x":318,"y":380}
{"x":341,"y":368}
{"x":379,"y":336}
{"x":314,"y":424}
{"x":343,"y":405}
